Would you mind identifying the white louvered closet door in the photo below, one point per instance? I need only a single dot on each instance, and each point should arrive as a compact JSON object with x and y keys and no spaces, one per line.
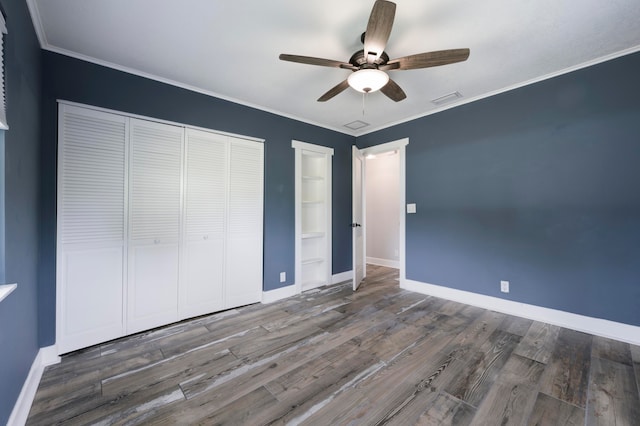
{"x":244,"y":235}
{"x":202,"y":272}
{"x":91,"y":227}
{"x":155,"y":184}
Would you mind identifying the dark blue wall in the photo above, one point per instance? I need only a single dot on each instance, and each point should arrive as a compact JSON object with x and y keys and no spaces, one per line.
{"x":79,"y":81}
{"x":18,"y":312}
{"x":538,"y":186}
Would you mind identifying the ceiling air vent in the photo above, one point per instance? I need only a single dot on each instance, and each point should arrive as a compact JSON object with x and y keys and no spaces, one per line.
{"x":355,"y":125}
{"x":446,"y":98}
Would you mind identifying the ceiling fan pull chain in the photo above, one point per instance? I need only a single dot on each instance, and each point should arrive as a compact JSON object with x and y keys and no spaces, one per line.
{"x":364,"y":95}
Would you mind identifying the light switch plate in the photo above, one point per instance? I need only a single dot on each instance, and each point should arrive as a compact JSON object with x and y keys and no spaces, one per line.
{"x":411,"y":208}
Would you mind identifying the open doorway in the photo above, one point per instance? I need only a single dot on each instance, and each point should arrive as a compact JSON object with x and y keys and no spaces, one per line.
{"x":382,"y":198}
{"x":386,"y":237}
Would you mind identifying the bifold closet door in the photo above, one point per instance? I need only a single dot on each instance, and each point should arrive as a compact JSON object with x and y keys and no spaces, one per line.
{"x":91,"y":227}
{"x":155,"y":185}
{"x":244,"y":235}
{"x":203,"y":260}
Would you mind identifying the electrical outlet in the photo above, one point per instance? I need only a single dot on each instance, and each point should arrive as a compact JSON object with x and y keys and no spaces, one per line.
{"x":504,"y":286}
{"x":283,"y":277}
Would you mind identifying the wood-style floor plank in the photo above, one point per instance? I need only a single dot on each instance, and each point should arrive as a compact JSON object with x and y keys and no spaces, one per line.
{"x":613,"y":394}
{"x":539,"y":342}
{"x":612,"y":350}
{"x":435,"y":408}
{"x":482,"y":368}
{"x":512,"y":398}
{"x":635,"y":357}
{"x":549,"y":411}
{"x":567,"y":374}
{"x":381,"y":355}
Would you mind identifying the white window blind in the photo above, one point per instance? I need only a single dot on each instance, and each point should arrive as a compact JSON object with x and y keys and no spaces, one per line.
{"x":3,"y":108}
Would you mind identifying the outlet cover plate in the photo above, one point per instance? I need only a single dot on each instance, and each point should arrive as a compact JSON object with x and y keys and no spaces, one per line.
{"x":504,"y":286}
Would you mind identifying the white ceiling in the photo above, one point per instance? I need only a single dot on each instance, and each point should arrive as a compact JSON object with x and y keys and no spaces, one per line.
{"x":230,"y":49}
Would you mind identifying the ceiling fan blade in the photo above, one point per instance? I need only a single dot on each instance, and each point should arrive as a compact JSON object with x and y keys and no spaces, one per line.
{"x":337,"y":89}
{"x":310,"y":60}
{"x":428,"y":59}
{"x":378,"y":29}
{"x":393,"y":91}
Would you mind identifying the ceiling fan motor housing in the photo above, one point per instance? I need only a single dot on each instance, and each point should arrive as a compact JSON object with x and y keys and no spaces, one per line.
{"x":359,"y":60}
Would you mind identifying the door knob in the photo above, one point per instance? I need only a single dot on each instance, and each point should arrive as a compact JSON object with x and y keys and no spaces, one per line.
{"x":355,"y":225}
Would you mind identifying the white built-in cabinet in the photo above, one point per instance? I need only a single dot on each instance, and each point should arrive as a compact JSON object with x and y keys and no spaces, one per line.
{"x":313,"y":215}
{"x":156,"y":223}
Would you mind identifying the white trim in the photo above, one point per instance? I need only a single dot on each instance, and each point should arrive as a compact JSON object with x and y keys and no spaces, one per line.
{"x":279,"y":294}
{"x":37,"y":22}
{"x":549,"y":76}
{"x":44,"y":357}
{"x":311,"y":147}
{"x":291,"y":290}
{"x":341,"y":277}
{"x":158,"y":120}
{"x":385,"y":147}
{"x":49,"y":355}
{"x":6,"y":290}
{"x":596,"y":326}
{"x":383,"y":262}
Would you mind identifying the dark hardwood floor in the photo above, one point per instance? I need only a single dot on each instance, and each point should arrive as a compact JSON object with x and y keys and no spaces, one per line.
{"x":381,"y":355}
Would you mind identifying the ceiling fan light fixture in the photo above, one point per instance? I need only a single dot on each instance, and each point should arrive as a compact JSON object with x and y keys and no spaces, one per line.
{"x":368,"y":80}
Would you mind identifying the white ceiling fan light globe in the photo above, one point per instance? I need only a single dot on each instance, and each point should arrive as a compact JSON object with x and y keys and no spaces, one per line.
{"x":368,"y":80}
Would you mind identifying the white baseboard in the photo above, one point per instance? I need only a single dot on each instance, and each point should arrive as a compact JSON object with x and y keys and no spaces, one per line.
{"x":46,"y":356}
{"x":290,"y":290}
{"x":278,"y":294}
{"x":384,"y":262}
{"x":596,"y":326}
{"x":341,"y":277}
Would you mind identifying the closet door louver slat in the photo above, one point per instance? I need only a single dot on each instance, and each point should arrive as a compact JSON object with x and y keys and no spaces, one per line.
{"x":155,"y":181}
{"x":93,"y":179}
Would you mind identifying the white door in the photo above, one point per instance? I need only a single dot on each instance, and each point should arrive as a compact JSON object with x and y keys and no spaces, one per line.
{"x":91,"y":227}
{"x":358,"y":210}
{"x":155,"y":185}
{"x":244,"y":232}
{"x":202,"y":272}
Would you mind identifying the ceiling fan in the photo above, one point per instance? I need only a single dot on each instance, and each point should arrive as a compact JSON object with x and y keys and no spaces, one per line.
{"x":369,"y":65}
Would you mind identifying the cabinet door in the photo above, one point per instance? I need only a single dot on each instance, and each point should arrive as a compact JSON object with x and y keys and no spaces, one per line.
{"x":91,"y":227}
{"x":244,"y":252}
{"x":202,"y":273}
{"x":155,"y":184}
